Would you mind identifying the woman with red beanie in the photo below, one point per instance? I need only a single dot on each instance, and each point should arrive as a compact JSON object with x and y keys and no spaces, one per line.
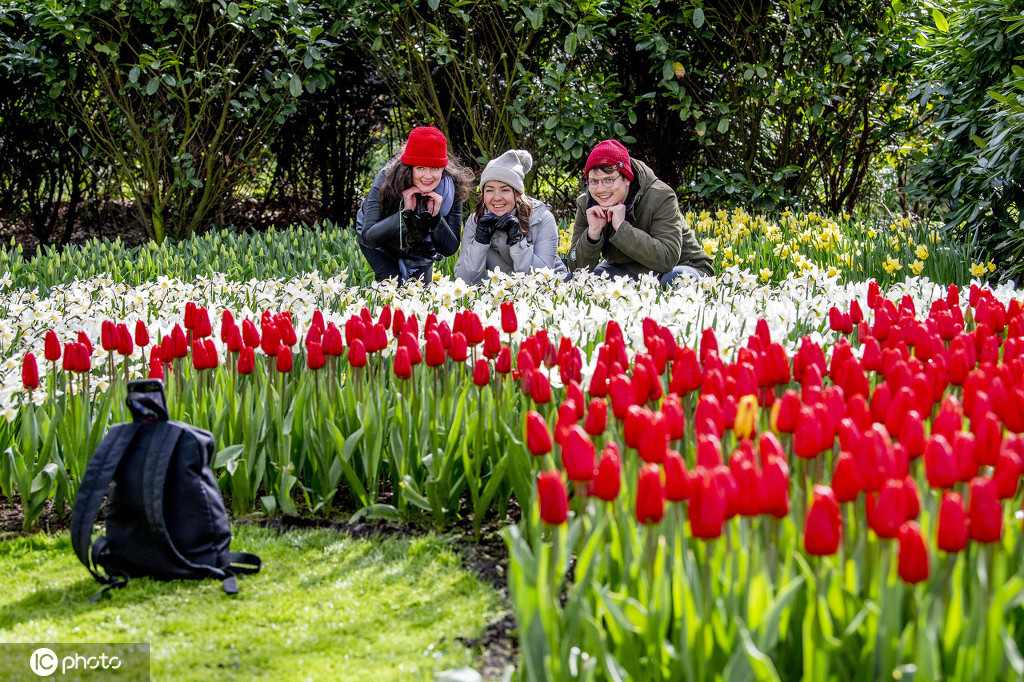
{"x":631,"y":219}
{"x":412,"y":215}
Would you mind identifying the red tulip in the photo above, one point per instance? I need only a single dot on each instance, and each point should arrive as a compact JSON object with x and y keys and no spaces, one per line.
{"x":233,"y":339}
{"x":988,"y":434}
{"x":482,"y":373}
{"x":459,"y":350}
{"x":675,"y":416}
{"x":156,"y":369}
{"x":608,"y":477}
{"x":939,"y":465}
{"x":913,"y":560}
{"x":315,"y":357}
{"x":809,"y":436}
{"x":246,"y":360}
{"x":199,"y":356}
{"x":788,"y":412}
{"x":29,"y":372}
{"x":331,"y":342}
{"x":190,"y":315}
{"x":509,"y":323}
{"x":708,"y":417}
{"x":552,"y":498}
{"x":492,"y":342}
{"x":952,"y":527}
{"x":125,"y":345}
{"x":887,"y":511}
{"x":52,"y":346}
{"x":357,"y":353}
{"x":540,"y":388}
{"x":597,"y":417}
{"x":142,"y":334}
{"x":227,"y":320}
{"x":912,"y":434}
{"x":203,"y":327}
{"x":284,"y":359}
{"x":709,"y":451}
{"x":108,"y":336}
{"x":650,"y":495}
{"x":775,"y":474}
{"x":686,"y":375}
{"x":250,"y":335}
{"x":403,"y":365}
{"x":654,"y":439}
{"x":270,"y":340}
{"x":846,"y":478}
{"x":578,"y":455}
{"x":1006,"y":474}
{"x":503,"y":365}
{"x":708,"y":343}
{"x":677,"y":478}
{"x":538,"y":437}
{"x":83,"y":339}
{"x":620,"y":390}
{"x":708,"y":505}
{"x":823,"y":528}
{"x":211,"y":354}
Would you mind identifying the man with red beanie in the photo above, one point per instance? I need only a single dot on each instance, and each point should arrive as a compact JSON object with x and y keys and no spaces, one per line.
{"x":632,"y":220}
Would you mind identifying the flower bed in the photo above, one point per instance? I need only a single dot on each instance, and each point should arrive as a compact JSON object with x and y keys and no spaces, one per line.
{"x":804,"y":479}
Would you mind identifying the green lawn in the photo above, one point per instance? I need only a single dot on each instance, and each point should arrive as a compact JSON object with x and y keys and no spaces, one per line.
{"x":324,"y":607}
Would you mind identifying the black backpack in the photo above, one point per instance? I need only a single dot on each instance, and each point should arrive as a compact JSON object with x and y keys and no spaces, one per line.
{"x":165,"y":514}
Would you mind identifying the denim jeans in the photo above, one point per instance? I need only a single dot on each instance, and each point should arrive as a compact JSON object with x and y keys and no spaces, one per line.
{"x":385,"y":267}
{"x":677,"y":271}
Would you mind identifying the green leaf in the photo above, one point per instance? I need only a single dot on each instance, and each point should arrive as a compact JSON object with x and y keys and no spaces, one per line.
{"x":152,"y":85}
{"x":570,"y":44}
{"x":133,"y":75}
{"x":723,"y":125}
{"x":698,"y":17}
{"x":940,"y":20}
{"x":233,"y":10}
{"x":295,"y":85}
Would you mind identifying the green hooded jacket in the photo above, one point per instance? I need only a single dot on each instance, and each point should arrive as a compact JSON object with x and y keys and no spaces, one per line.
{"x":653,"y":238}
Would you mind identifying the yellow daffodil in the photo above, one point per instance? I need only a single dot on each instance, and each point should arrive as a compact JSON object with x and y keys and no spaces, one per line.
{"x":766,"y":275}
{"x":991,"y":266}
{"x":916,"y":267}
{"x":977,"y":270}
{"x":921,"y":252}
{"x":891,"y":265}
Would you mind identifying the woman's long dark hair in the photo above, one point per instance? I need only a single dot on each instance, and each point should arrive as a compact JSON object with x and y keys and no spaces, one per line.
{"x":398,"y":178}
{"x":523,"y":210}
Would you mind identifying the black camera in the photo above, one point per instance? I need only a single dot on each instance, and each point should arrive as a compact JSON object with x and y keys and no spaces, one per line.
{"x":146,"y":400}
{"x":422,"y":206}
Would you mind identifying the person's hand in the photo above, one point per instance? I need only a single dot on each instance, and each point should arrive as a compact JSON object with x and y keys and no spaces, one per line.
{"x":409,"y":198}
{"x":515,"y":235}
{"x":485,"y":228}
{"x":597,"y":218}
{"x":616,"y":214}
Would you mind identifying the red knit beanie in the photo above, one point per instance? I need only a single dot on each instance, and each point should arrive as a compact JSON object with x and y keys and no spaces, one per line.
{"x":610,"y":153}
{"x":427,"y":146}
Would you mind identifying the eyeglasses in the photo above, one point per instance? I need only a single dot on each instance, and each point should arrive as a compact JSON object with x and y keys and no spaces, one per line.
{"x":603,"y":182}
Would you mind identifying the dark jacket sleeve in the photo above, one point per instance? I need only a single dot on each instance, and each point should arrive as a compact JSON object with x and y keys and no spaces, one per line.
{"x":658,"y":248}
{"x":375,"y":230}
{"x":448,"y":231}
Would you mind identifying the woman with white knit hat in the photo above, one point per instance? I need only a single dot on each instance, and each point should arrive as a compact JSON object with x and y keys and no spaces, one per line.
{"x":509,"y":231}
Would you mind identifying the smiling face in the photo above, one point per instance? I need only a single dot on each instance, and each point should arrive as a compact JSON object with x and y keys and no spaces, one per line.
{"x":607,"y":188}
{"x":425,"y":178}
{"x":498,"y":197}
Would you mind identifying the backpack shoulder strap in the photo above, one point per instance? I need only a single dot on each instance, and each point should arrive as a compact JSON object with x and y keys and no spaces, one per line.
{"x":98,"y":474}
{"x":154,"y":478}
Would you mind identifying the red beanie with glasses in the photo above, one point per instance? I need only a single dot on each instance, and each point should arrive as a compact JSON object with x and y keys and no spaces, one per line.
{"x":427,"y":146}
{"x":610,"y":153}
